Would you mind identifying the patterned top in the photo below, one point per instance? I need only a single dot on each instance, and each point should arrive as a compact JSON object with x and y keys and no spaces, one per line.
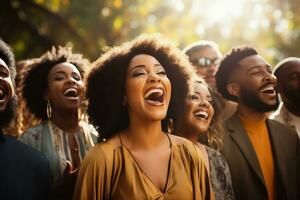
{"x":54,"y":143}
{"x":220,"y":176}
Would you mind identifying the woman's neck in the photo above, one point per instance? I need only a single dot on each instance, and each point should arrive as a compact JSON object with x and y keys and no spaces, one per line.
{"x":193,"y":137}
{"x":66,"y":120}
{"x":188,"y":133}
{"x":141,"y":134}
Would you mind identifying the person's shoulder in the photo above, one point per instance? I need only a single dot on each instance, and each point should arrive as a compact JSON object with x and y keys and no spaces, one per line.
{"x":231,"y":124}
{"x":283,"y":135}
{"x":101,"y":153}
{"x":90,"y":128}
{"x":34,"y":131}
{"x":215,"y":156}
{"x":211,"y":150}
{"x":185,"y":147}
{"x":25,"y":152}
{"x":177,"y":140}
{"x":282,"y":128}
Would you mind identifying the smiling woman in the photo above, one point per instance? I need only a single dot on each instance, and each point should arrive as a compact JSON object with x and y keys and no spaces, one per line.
{"x":199,"y":118}
{"x":138,"y":159}
{"x":53,"y":89}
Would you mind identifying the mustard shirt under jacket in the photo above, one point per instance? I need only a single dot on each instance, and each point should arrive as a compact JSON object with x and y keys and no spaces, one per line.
{"x":110,"y":172}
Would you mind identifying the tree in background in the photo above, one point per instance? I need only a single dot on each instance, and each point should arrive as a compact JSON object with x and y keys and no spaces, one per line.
{"x":33,"y":26}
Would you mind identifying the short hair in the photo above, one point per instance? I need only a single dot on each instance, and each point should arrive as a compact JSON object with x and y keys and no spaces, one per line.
{"x":106,"y":82}
{"x":199,"y":45}
{"x":228,"y":65}
{"x":35,"y":81}
{"x":278,"y":68}
{"x":7,"y":56}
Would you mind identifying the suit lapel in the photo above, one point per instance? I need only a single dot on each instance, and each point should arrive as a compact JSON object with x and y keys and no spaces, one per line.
{"x":239,"y":135}
{"x":279,"y":155}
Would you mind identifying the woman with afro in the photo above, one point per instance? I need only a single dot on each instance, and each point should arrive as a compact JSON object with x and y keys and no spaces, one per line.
{"x":53,"y":91}
{"x":133,"y":91}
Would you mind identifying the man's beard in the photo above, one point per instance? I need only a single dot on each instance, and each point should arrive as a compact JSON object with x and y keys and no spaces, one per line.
{"x":7,"y":115}
{"x":252,"y":100}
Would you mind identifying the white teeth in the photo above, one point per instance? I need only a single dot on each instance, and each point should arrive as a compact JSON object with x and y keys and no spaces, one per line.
{"x":70,"y":90}
{"x":202,"y":114}
{"x":270,"y":88}
{"x":156,"y":90}
{"x":156,"y":103}
{"x":1,"y":92}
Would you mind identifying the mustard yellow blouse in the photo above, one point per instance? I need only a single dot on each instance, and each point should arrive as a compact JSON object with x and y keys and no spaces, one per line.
{"x":110,"y":172}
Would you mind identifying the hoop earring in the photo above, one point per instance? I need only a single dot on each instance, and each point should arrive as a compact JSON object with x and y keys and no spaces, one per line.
{"x":49,"y":109}
{"x":170,"y":126}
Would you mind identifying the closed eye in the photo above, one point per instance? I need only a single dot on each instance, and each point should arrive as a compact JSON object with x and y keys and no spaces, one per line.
{"x":210,"y":101}
{"x":138,"y":71}
{"x":76,"y":77}
{"x":162,"y":73}
{"x":135,"y":74}
{"x":59,"y":77}
{"x":193,"y":97}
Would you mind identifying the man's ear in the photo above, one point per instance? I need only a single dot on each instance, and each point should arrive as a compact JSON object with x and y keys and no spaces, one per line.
{"x":233,"y":89}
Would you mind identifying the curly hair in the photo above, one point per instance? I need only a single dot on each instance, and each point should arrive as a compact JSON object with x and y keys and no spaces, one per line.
{"x":215,"y":130}
{"x":107,"y":77}
{"x":7,"y":56}
{"x":35,"y":80}
{"x":229,"y":64}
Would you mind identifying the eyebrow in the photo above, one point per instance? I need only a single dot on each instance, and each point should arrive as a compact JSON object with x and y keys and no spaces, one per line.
{"x":143,"y":66}
{"x":258,"y":66}
{"x":63,"y":72}
{"x":199,"y":93}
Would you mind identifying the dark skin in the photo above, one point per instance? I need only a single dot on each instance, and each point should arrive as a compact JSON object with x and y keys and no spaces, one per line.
{"x":289,"y":84}
{"x":61,"y":78}
{"x":255,"y":72}
{"x":144,"y":138}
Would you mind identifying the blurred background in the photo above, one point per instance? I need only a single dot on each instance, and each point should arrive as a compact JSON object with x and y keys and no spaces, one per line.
{"x":32,"y":26}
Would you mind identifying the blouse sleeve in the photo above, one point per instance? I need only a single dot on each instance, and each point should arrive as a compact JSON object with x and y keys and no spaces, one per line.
{"x":205,"y":185}
{"x":201,"y":182}
{"x":93,"y":181}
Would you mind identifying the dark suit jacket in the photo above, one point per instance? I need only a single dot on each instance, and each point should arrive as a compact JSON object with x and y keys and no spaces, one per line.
{"x":24,"y":172}
{"x":247,"y":177}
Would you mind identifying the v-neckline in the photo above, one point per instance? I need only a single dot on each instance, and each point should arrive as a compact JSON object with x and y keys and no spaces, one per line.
{"x":170,"y":171}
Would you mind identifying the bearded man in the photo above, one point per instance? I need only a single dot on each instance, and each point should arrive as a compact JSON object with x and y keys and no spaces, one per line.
{"x":24,"y":172}
{"x":262,"y":154}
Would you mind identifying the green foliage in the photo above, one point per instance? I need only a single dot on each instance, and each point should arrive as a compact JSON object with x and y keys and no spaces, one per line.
{"x":33,"y":26}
